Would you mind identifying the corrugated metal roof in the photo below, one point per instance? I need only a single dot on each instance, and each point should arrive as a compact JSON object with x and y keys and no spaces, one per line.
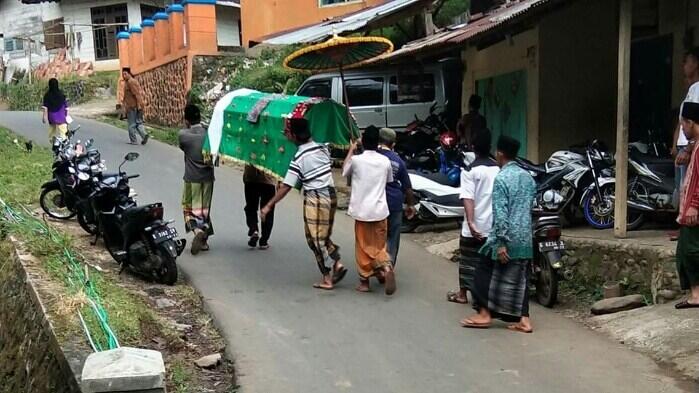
{"x":456,"y":35}
{"x":342,"y":24}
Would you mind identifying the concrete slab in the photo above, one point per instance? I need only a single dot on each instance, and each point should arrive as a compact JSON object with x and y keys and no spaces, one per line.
{"x":124,"y":370}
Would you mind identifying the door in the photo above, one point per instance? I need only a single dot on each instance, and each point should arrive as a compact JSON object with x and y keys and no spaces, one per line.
{"x":410,"y":95}
{"x":366,"y":100}
{"x":505,"y":106}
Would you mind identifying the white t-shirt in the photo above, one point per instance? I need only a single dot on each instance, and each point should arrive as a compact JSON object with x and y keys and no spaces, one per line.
{"x":370,"y":172}
{"x":477,"y":184}
{"x":692,"y":96}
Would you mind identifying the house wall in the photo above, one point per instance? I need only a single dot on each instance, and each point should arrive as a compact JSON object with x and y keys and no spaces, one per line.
{"x":18,"y":20}
{"x":263,"y":17}
{"x":519,"y":53}
{"x":578,"y":64}
{"x":227,"y":26}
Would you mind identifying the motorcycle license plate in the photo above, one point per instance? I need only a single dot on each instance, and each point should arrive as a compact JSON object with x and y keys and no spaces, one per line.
{"x":553,"y":245}
{"x":163,"y":234}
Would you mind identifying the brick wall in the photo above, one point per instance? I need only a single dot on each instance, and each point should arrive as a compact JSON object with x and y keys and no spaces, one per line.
{"x":165,"y":93}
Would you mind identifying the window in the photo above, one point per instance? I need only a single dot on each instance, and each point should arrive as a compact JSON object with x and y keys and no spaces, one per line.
{"x":407,"y":89}
{"x":317,"y":89}
{"x":54,"y":34}
{"x":365,"y":92}
{"x":13,"y":44}
{"x":325,"y":3}
{"x":105,"y":36}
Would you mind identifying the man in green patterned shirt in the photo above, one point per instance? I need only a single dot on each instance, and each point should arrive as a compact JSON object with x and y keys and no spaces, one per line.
{"x":500,"y":288}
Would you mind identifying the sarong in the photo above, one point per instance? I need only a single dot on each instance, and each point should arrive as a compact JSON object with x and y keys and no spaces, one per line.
{"x":196,"y":204}
{"x":503,"y":289}
{"x":319,"y":208}
{"x":688,"y":257}
{"x":370,"y":247}
{"x":469,"y":258}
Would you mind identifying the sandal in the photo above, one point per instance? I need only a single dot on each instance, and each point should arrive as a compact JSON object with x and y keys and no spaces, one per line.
{"x":467,"y":323}
{"x":518,"y":328}
{"x":453,"y":296}
{"x":320,"y":285}
{"x":390,"y":288}
{"x":685,"y":304}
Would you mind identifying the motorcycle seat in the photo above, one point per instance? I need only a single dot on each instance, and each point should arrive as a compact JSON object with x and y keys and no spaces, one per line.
{"x":444,"y":200}
{"x":437,"y":177}
{"x":530,"y":166}
{"x":662,"y":166}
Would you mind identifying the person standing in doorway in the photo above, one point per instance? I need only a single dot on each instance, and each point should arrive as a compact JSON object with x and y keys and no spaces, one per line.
{"x":476,"y":194}
{"x":55,"y":111}
{"x":198,"y":181}
{"x":501,"y":284}
{"x":133,"y":106}
{"x":370,"y":172}
{"x":690,"y":68}
{"x":397,"y":192}
{"x":311,"y":168}
{"x":688,"y":245}
{"x":259,"y":190}
{"x":471,"y":122}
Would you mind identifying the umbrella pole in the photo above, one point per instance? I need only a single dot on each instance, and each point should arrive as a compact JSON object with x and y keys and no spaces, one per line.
{"x":347,"y":104}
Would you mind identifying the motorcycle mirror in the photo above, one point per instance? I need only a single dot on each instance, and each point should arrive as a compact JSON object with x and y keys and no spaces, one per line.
{"x":133,"y":156}
{"x":89,"y":142}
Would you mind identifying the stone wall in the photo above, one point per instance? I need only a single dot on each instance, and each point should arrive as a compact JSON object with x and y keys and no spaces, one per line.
{"x":640,"y":268}
{"x":165,"y":93}
{"x":31,"y":359}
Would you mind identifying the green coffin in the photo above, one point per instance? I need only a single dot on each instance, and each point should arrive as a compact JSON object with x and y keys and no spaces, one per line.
{"x":261,"y":141}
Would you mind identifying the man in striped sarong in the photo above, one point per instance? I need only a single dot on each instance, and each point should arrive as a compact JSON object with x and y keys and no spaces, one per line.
{"x":311,"y":168}
{"x":198,"y":181}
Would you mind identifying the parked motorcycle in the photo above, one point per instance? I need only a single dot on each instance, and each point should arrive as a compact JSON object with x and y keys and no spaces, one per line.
{"x":421,"y":136}
{"x":137,"y":237}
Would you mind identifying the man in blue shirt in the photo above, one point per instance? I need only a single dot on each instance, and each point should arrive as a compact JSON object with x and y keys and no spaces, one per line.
{"x":397,"y":192}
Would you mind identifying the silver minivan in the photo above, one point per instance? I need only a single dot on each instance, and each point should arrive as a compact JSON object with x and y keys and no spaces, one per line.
{"x":383,"y":97}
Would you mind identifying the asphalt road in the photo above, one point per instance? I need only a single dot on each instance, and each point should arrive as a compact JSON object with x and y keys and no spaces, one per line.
{"x":287,"y":337}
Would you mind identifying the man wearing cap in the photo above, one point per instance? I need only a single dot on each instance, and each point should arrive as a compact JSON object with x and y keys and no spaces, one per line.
{"x":688,"y":245}
{"x":397,"y":192}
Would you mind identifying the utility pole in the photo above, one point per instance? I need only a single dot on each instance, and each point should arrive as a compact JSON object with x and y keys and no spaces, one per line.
{"x":29,"y":59}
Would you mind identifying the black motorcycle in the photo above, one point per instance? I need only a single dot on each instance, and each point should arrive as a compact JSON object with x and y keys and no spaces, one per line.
{"x":137,"y":237}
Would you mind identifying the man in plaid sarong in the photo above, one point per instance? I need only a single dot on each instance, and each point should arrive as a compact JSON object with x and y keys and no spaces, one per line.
{"x":198,"y":181}
{"x":311,"y":168}
{"x":500,"y":287}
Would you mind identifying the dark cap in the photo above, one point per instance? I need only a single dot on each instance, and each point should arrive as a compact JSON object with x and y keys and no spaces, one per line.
{"x":690,"y":111}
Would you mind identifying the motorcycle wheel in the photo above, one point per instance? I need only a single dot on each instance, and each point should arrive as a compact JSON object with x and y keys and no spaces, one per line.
{"x":168,"y":272}
{"x":89,"y":227}
{"x":52,"y":203}
{"x":600,"y":213}
{"x":546,"y":284}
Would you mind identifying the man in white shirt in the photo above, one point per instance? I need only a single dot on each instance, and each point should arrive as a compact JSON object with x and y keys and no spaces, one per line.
{"x":476,"y":193}
{"x":370,"y":172}
{"x":690,"y":69}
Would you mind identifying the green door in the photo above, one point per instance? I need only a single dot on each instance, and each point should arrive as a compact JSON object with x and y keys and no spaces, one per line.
{"x":505,"y":106}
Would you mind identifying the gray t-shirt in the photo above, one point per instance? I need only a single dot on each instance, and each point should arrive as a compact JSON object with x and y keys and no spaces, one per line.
{"x":191,"y":143}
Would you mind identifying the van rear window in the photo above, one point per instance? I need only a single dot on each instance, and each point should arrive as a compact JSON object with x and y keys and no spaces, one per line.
{"x":365,"y":92}
{"x":408,"y":89}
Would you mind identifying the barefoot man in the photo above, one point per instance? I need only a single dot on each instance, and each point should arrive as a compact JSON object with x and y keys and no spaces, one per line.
{"x":311,"y":167}
{"x":370,"y":172}
{"x":500,"y":288}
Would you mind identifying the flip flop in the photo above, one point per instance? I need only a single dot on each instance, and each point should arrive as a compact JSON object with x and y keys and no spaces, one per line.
{"x":339,"y":275}
{"x":453,"y":296}
{"x":467,"y":323}
{"x":685,"y":304}
{"x":517,"y":328}
{"x":198,"y":242}
{"x":320,"y":286}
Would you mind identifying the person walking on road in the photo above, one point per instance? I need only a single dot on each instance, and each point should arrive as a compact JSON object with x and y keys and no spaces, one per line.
{"x":688,"y":245}
{"x":259,"y":190}
{"x":397,"y":192}
{"x":477,"y":196}
{"x":690,"y":68}
{"x":311,"y":168}
{"x":370,"y":172}
{"x":198,"y":181}
{"x":55,"y":111}
{"x":501,"y":280}
{"x":133,"y":106}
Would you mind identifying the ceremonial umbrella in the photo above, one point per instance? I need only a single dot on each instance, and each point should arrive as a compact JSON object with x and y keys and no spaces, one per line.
{"x":339,"y":54}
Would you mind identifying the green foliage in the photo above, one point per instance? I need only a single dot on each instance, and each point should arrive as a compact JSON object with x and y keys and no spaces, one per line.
{"x":450,"y":10}
{"x":267,"y":74}
{"x":24,"y":96}
{"x":21,"y":172}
